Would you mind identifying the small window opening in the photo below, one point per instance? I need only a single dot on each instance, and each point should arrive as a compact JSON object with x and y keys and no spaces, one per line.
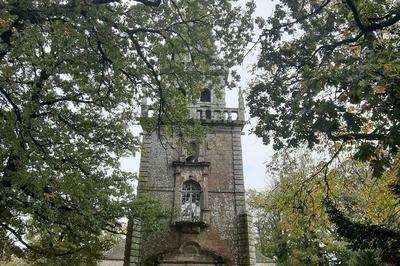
{"x":234,"y":116}
{"x":208,"y":114}
{"x":193,"y":152}
{"x":190,"y":208}
{"x":191,"y":159}
{"x":199,"y":114}
{"x":205,"y":95}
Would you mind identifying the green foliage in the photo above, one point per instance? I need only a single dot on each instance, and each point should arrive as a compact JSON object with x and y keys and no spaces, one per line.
{"x":72,"y":74}
{"x":330,"y":72}
{"x":14,"y":262}
{"x":297,"y":231}
{"x":330,"y":76}
{"x":367,"y":214}
{"x":150,"y":212}
{"x":294,"y":220}
{"x":365,"y":257}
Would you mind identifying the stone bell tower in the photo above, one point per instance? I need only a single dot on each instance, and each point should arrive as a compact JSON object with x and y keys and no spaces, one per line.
{"x":203,"y":184}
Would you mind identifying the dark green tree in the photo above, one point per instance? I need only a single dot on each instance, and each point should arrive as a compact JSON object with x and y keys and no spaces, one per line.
{"x":72,"y":74}
{"x":330,"y":75}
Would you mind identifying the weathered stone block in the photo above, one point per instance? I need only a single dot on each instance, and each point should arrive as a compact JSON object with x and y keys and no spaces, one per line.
{"x":221,"y":235}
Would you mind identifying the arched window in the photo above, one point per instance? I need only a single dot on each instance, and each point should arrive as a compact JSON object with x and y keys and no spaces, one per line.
{"x":190,"y":208}
{"x":205,"y":95}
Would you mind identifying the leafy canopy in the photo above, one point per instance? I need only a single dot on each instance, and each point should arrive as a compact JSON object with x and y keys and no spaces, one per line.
{"x":72,"y":74}
{"x":295,"y":227}
{"x":329,"y":75}
{"x":330,"y":72}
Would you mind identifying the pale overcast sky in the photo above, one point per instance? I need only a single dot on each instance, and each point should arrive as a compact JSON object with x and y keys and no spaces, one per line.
{"x":255,"y":154}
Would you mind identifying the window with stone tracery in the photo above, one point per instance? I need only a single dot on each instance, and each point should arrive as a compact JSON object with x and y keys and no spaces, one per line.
{"x":190,"y":208}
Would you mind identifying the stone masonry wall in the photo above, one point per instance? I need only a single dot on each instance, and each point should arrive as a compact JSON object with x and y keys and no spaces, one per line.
{"x":226,"y":232}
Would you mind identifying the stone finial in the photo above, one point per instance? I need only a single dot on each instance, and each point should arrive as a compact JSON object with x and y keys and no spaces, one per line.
{"x":144,"y":107}
{"x":241,"y":106}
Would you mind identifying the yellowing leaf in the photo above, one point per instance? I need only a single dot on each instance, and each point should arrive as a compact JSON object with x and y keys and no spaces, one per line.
{"x":388,"y":67}
{"x":356,"y":50}
{"x":379,"y":89}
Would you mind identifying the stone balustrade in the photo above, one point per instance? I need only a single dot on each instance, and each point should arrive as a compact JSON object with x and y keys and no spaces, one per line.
{"x":206,"y":113}
{"x":215,"y":113}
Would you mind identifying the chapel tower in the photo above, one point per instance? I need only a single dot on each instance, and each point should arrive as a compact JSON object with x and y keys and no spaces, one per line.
{"x":204,"y":186}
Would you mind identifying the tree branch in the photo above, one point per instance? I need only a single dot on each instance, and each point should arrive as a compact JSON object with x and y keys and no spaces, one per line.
{"x":74,"y":98}
{"x":357,"y":136}
{"x":391,"y":20}
{"x":156,"y":3}
{"x":356,"y":15}
{"x":316,"y":11}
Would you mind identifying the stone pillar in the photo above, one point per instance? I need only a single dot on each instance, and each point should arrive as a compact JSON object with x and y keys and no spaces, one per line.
{"x":144,"y":162}
{"x":128,"y":242}
{"x":133,"y":237}
{"x":238,"y":171}
{"x":205,"y":210}
{"x":135,"y":243}
{"x":241,"y":106}
{"x":246,"y":240}
{"x":177,"y":195}
{"x":132,"y":243}
{"x":144,"y":108}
